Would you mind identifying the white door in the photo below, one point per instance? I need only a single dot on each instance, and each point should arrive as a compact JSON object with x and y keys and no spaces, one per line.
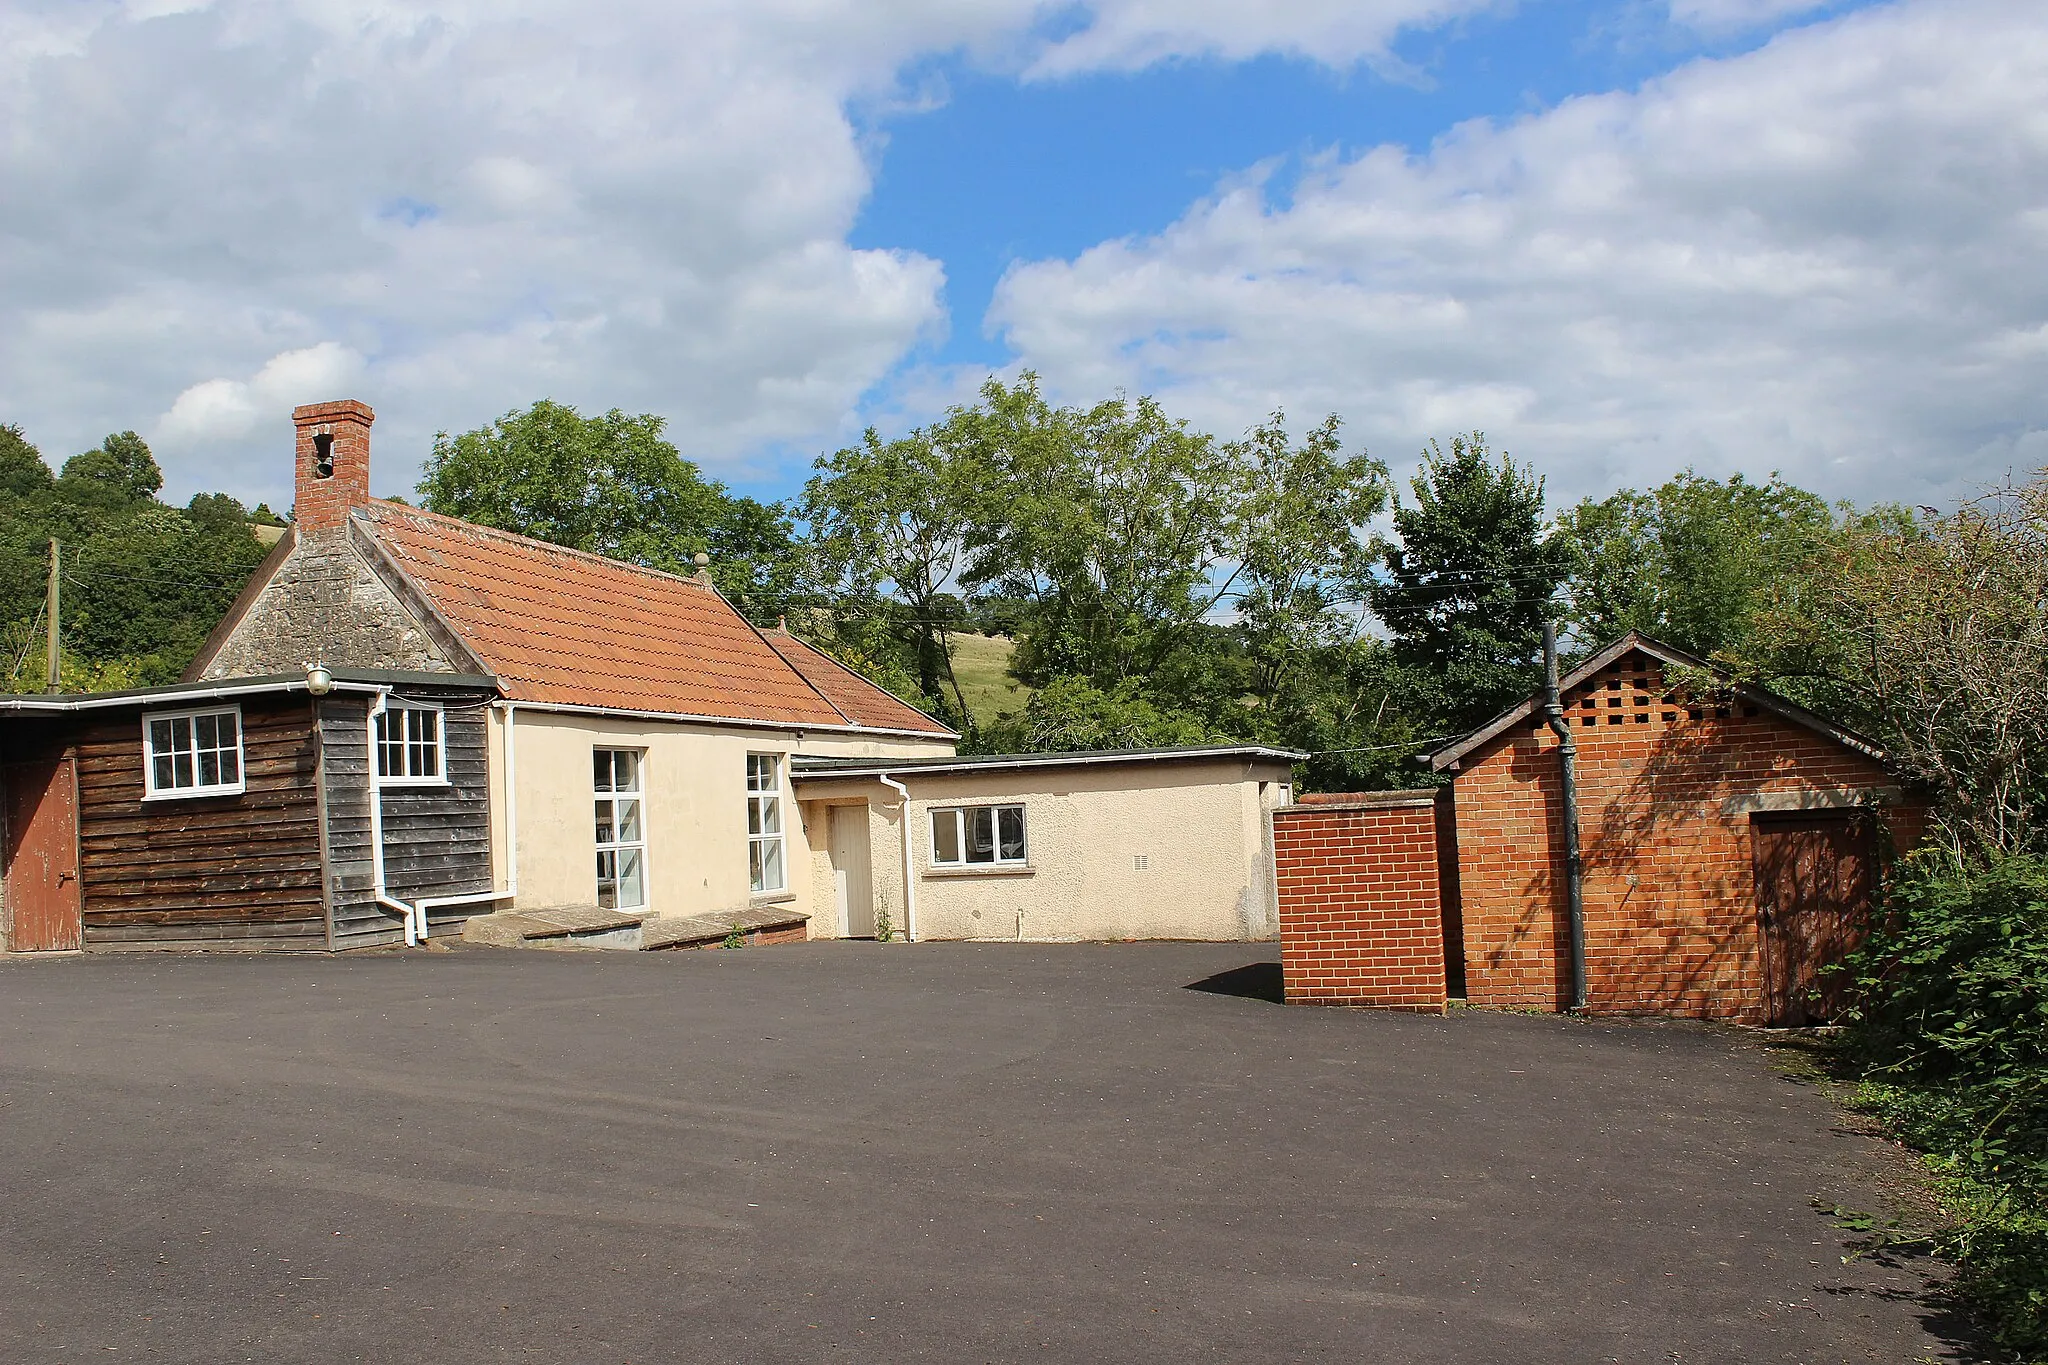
{"x":853,"y":882}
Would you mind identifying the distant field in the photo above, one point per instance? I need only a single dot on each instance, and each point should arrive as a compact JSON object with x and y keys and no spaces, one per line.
{"x":981,"y":663}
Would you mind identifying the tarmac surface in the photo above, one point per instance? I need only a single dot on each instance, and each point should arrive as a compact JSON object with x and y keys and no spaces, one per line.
{"x":862,"y":1152}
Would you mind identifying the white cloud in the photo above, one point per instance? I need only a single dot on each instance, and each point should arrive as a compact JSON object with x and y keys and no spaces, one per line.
{"x":1131,"y":34}
{"x":1827,"y":256}
{"x":1732,"y":15}
{"x":223,"y":410}
{"x":643,"y":203}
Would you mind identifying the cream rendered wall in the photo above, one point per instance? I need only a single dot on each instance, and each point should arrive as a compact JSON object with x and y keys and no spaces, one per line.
{"x":1200,"y":825}
{"x":694,"y":802}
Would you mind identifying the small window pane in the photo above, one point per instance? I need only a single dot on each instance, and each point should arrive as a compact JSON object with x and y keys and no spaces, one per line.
{"x":631,"y":895}
{"x":209,"y":767}
{"x":230,"y":765}
{"x":770,"y":817}
{"x":181,"y":769}
{"x":604,"y":823}
{"x":768,"y":876}
{"x":1010,"y":822}
{"x":629,"y":821}
{"x":607,"y":879}
{"x":163,"y":771}
{"x":945,"y":836}
{"x":601,"y":762}
{"x":981,"y":835}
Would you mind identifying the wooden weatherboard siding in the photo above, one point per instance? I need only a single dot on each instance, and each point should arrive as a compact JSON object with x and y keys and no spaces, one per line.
{"x":437,"y":839}
{"x":220,"y":872}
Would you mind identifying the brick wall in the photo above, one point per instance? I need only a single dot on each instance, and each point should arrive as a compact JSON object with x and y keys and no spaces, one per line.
{"x":1360,"y":909}
{"x":1666,"y":795}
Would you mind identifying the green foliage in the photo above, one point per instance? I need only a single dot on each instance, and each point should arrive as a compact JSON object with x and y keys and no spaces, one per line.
{"x":143,"y":583}
{"x":1690,"y":562}
{"x":887,"y":525}
{"x":885,"y":928}
{"x":1469,"y":583}
{"x":736,"y":937}
{"x":1114,"y":522}
{"x":22,"y":471}
{"x":1070,"y":712}
{"x":1949,"y":1030}
{"x":1305,"y":562}
{"x":1929,"y":633}
{"x":611,"y":485}
{"x":118,"y":472}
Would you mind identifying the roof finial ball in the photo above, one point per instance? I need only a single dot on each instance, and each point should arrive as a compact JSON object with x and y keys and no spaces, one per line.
{"x":700,"y":559}
{"x":703,"y":563}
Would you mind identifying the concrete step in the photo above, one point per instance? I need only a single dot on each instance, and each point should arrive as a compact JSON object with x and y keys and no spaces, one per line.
{"x":569,"y":927}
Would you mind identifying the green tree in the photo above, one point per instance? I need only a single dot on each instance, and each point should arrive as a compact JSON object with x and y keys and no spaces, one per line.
{"x":1305,"y":558}
{"x":1072,"y":713}
{"x":1691,"y":561}
{"x":611,"y":485}
{"x":1469,"y":582}
{"x":1929,"y":633}
{"x":888,"y":522}
{"x":23,"y":472}
{"x":1117,"y":523}
{"x":117,"y":472}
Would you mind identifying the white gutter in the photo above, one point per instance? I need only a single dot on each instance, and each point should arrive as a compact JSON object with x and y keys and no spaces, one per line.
{"x":909,"y":868}
{"x":692,"y":718}
{"x":21,"y":704}
{"x":828,"y":771}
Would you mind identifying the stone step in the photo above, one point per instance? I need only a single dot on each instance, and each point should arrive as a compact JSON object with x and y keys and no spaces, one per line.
{"x":568,"y":927}
{"x":703,"y":931}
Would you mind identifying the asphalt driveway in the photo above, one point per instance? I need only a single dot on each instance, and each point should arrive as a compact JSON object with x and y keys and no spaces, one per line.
{"x":857,"y":1152}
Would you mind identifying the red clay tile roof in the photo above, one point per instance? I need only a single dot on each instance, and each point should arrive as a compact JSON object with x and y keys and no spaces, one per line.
{"x":562,"y":627}
{"x":858,"y":699}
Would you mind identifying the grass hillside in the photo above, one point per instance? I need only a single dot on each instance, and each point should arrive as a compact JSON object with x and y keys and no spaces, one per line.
{"x":982,"y":665}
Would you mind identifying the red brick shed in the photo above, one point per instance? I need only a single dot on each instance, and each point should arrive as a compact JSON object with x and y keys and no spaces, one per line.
{"x":1731,"y":843}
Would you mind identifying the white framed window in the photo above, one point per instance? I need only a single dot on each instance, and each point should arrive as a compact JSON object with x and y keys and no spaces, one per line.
{"x":764,"y":823}
{"x":621,"y":826}
{"x":978,"y":836}
{"x":409,"y":745}
{"x":192,"y":753}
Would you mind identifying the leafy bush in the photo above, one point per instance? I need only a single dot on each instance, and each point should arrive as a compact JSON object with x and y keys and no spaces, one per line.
{"x":1950,"y":1033}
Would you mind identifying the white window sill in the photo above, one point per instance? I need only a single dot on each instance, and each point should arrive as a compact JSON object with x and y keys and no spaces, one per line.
{"x":195,"y":793}
{"x":771,"y":897}
{"x":983,"y":870}
{"x":387,"y":783}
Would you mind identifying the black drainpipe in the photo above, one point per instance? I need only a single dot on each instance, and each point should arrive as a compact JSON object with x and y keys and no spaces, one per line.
{"x":1568,"y":770}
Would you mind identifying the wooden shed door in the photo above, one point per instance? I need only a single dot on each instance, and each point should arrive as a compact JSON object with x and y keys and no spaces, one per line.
{"x":42,"y":855}
{"x":1813,"y":885}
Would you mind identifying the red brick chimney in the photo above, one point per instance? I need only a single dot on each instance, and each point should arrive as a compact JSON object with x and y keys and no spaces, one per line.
{"x":333,"y":462}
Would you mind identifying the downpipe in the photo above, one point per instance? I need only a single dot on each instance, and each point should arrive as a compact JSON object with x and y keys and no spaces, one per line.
{"x":1568,"y":774}
{"x":909,"y":869}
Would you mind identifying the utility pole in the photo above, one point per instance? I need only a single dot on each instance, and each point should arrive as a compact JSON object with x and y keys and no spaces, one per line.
{"x":51,"y":609}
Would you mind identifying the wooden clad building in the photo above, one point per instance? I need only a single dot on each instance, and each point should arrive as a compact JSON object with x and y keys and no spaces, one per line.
{"x":246,"y":815}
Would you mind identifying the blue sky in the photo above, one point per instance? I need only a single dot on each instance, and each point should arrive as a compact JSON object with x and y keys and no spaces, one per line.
{"x":999,"y":170}
{"x":1624,"y":238}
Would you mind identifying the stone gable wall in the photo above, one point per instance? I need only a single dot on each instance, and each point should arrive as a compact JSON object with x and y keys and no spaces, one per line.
{"x":326,"y":603}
